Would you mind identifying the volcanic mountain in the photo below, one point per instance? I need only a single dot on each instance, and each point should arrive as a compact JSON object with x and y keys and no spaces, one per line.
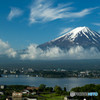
{"x":80,"y":36}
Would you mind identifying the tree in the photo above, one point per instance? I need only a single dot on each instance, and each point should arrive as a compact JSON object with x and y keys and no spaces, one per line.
{"x":58,"y":89}
{"x":42,"y":87}
{"x":48,"y":89}
{"x":65,"y":89}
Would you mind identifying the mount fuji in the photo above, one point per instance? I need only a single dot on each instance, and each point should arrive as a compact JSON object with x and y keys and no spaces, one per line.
{"x":80,"y":36}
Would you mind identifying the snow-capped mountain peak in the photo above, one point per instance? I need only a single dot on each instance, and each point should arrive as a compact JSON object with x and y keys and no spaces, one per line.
{"x":78,"y":29}
{"x":75,"y":32}
{"x":81,"y":36}
{"x":82,"y":31}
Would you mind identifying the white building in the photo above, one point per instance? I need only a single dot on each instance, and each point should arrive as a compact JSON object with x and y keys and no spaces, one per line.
{"x":1,"y":93}
{"x":2,"y":86}
{"x":25,"y":92}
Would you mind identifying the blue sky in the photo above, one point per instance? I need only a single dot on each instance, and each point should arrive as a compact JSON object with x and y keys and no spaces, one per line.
{"x":23,"y":22}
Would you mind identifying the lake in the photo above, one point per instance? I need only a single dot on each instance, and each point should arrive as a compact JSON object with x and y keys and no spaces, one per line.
{"x":36,"y":81}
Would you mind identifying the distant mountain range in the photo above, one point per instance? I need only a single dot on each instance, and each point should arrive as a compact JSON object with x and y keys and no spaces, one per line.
{"x":80,"y":36}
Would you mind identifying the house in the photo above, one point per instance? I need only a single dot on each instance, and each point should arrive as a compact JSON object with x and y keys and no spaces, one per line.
{"x":2,"y":86}
{"x":16,"y":95}
{"x":25,"y":92}
{"x":1,"y":93}
{"x":32,"y":88}
{"x":33,"y":93}
{"x":68,"y":98}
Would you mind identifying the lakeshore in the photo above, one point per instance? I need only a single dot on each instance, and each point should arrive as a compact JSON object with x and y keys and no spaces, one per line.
{"x":43,"y":92}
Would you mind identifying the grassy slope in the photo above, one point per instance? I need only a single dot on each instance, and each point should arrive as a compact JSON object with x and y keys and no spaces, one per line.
{"x":52,"y":96}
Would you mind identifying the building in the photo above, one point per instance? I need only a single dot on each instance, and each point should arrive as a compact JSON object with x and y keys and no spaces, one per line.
{"x":33,"y":93}
{"x":16,"y":95}
{"x":1,"y":93}
{"x":2,"y":86}
{"x":25,"y":92}
{"x":32,"y":88}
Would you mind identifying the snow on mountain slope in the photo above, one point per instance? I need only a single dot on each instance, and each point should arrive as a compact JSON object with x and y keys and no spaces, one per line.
{"x":80,"y":36}
{"x":72,"y":35}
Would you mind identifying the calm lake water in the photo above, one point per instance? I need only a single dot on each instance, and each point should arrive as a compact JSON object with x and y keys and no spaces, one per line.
{"x":36,"y":81}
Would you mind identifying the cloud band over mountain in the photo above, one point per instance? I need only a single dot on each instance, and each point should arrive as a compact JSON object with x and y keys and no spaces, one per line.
{"x":55,"y":53}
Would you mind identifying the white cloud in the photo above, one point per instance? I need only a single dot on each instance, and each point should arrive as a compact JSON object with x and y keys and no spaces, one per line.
{"x":54,"y":53}
{"x":65,"y":30}
{"x":43,"y":11}
{"x":82,"y":13}
{"x":36,"y":53}
{"x":97,"y":24}
{"x":32,"y":52}
{"x":6,"y":50}
{"x":15,"y":12}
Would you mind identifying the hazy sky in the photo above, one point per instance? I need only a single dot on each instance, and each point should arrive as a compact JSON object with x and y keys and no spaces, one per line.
{"x":23,"y":22}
